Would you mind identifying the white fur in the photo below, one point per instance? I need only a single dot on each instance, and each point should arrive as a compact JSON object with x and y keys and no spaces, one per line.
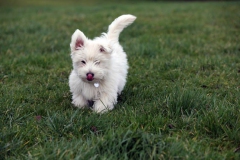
{"x":105,"y":58}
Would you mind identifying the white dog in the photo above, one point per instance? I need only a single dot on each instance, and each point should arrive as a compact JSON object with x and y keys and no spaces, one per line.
{"x":99,"y":67}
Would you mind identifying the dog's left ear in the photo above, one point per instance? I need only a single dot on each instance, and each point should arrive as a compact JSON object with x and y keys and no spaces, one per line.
{"x":78,"y":40}
{"x":105,"y":49}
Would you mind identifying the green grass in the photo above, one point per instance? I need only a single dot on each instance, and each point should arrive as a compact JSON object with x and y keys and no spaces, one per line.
{"x":181,"y":100}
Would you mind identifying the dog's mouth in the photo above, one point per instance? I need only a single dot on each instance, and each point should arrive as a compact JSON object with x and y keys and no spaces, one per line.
{"x":90,"y":76}
{"x":91,"y":80}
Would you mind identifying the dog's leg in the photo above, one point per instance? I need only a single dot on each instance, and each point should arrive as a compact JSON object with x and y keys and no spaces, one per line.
{"x":79,"y":101}
{"x":105,"y":103}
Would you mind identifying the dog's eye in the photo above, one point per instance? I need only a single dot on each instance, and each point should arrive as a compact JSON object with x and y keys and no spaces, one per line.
{"x":83,"y":62}
{"x":97,"y":62}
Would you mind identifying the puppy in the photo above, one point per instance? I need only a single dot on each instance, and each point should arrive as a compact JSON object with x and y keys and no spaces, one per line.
{"x":99,"y":67}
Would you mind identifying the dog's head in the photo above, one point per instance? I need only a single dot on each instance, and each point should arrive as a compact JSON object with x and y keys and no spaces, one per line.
{"x":91,"y":59}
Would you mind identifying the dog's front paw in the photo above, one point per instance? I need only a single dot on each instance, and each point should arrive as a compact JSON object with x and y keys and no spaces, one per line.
{"x":79,"y":102}
{"x":101,"y":107}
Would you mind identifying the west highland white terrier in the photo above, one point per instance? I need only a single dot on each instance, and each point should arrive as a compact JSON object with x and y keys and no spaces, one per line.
{"x":99,"y":67}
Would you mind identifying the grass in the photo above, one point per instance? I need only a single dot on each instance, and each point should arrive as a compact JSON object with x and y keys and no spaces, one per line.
{"x":181,"y":100}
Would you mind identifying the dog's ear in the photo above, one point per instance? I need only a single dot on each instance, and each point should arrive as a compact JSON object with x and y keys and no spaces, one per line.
{"x":78,"y":40}
{"x":105,"y":49}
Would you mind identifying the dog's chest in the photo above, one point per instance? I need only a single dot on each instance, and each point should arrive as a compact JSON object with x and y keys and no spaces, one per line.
{"x":91,"y":93}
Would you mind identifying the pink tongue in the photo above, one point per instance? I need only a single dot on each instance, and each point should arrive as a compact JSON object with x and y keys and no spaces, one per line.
{"x":89,"y":77}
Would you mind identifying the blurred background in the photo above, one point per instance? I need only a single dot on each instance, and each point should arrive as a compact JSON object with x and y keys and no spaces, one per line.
{"x":82,"y":2}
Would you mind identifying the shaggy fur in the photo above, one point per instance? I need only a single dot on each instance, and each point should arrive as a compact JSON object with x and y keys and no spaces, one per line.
{"x":99,"y":67}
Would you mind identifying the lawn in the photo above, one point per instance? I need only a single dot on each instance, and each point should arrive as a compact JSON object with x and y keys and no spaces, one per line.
{"x":181,"y":100}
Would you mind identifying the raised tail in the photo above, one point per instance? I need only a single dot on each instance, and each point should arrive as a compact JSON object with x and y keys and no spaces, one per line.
{"x":118,"y":25}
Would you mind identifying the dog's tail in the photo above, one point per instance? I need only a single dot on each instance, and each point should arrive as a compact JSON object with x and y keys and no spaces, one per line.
{"x":118,"y":25}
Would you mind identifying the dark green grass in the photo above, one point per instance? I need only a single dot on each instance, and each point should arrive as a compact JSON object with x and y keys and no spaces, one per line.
{"x":181,"y":100}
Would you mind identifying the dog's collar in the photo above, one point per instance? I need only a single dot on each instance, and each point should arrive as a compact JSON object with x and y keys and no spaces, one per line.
{"x":96,"y":84}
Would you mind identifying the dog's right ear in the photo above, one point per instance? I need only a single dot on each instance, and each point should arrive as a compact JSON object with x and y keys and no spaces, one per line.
{"x":78,"y":40}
